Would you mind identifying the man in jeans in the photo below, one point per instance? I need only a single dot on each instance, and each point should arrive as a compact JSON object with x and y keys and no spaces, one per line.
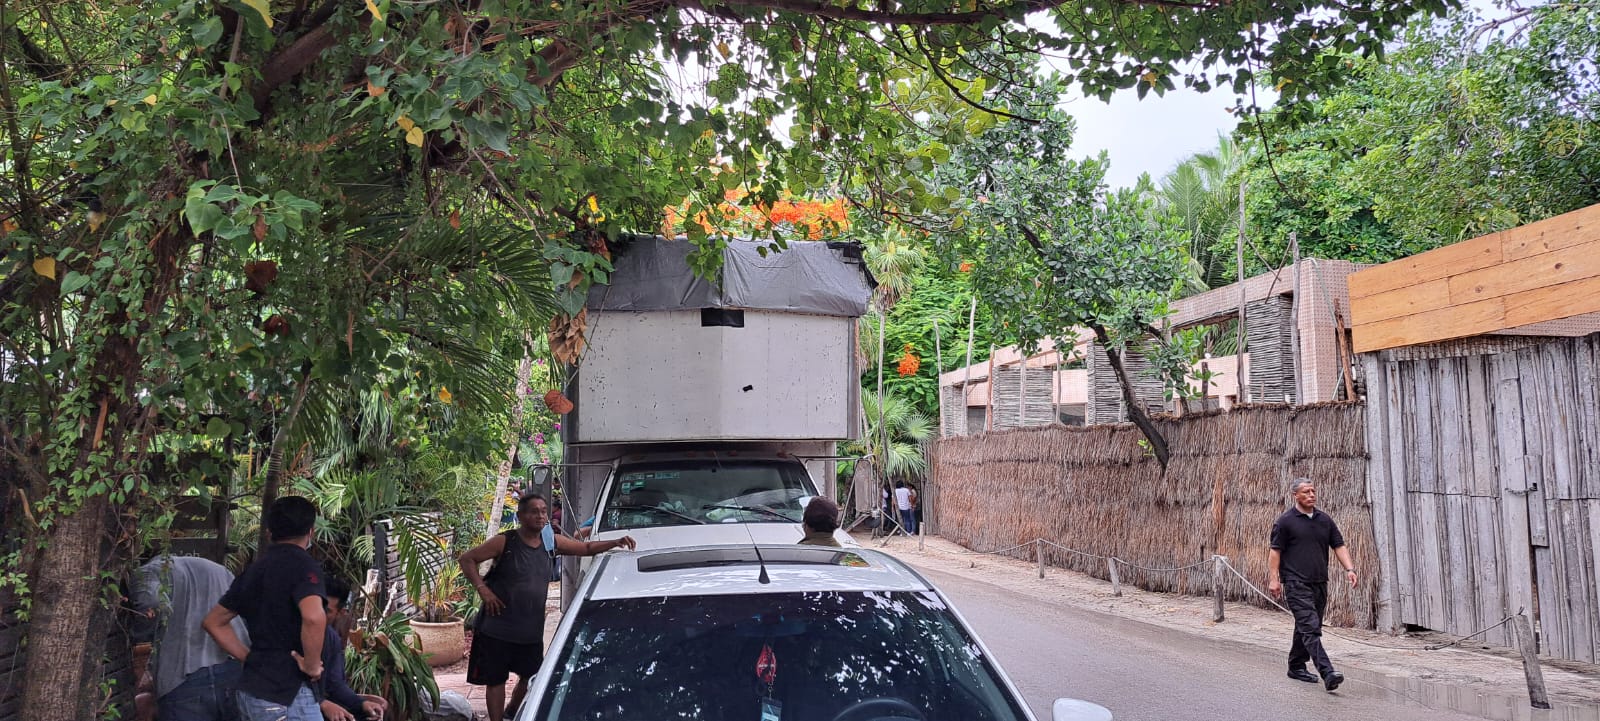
{"x":195,"y":680}
{"x":280,"y":597}
{"x":1298,"y":572}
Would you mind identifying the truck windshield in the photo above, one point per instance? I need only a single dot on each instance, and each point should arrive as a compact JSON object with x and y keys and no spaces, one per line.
{"x":672,"y":493}
{"x":820,"y":655}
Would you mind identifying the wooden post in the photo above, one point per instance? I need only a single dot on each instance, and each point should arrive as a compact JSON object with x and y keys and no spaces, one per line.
{"x":938,"y":373}
{"x":988,"y":411}
{"x":1217,"y":567}
{"x":933,"y":470}
{"x":1537,"y":696}
{"x":1038,"y":553}
{"x":1345,"y":355}
{"x":882,"y":464}
{"x":1116,"y":579}
{"x":1241,"y":384}
{"x":966,"y":383}
{"x":1294,"y":320}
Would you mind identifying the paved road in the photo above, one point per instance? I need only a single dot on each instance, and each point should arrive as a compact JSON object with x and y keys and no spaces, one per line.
{"x":1146,"y":673}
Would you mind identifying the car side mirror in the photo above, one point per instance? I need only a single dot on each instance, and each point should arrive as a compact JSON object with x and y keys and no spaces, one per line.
{"x":1071,"y":709}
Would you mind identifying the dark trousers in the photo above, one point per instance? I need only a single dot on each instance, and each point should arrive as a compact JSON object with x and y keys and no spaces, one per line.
{"x":1308,"y":602}
{"x":908,"y":521}
{"x":205,"y":695}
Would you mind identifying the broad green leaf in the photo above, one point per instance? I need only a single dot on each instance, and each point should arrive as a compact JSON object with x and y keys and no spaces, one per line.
{"x":218,"y":428}
{"x":73,"y":281}
{"x":260,"y":6}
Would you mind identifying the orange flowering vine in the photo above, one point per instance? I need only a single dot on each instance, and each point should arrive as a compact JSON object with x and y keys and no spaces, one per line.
{"x":909,"y":362}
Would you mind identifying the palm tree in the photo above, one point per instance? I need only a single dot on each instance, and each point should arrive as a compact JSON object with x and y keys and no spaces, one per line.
{"x":908,"y":433}
{"x":1203,"y":192}
{"x":894,"y":260}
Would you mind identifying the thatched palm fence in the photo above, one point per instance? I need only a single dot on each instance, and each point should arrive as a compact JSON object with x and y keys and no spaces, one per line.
{"x":1094,"y":489}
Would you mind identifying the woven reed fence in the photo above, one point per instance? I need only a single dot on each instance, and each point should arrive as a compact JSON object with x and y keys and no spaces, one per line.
{"x":1093,"y":489}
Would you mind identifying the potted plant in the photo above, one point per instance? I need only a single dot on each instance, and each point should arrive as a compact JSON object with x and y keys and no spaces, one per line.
{"x":439,"y":630}
{"x":384,"y":658}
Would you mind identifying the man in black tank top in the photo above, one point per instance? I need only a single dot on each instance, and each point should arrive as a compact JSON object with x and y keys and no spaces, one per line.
{"x":508,"y":636}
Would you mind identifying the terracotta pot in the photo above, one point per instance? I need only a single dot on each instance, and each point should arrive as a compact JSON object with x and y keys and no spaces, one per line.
{"x":442,"y":643}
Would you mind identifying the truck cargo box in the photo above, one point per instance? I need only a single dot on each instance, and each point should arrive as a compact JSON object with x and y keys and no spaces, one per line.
{"x":766,"y":353}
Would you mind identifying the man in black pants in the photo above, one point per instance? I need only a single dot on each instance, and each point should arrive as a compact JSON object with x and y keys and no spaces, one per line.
{"x":1298,"y":568}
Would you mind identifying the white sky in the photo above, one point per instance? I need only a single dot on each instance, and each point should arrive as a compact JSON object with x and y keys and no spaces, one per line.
{"x":1150,"y":135}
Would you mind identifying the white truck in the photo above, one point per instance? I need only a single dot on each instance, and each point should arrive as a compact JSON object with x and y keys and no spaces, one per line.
{"x":710,"y":413}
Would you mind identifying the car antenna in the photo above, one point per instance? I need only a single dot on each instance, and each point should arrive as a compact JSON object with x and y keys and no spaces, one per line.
{"x":763,"y":578}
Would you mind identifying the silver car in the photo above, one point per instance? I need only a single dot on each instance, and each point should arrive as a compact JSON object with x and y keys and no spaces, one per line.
{"x":770,"y":633}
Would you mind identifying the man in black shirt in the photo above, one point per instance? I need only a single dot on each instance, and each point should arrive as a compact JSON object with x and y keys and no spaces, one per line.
{"x":280,"y":597}
{"x":1298,"y":573}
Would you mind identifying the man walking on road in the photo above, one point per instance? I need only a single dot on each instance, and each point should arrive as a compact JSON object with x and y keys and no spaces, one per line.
{"x":1298,"y":572}
{"x":508,"y":636}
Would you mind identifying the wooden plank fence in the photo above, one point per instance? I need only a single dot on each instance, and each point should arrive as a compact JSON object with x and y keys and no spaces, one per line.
{"x":1486,"y":487}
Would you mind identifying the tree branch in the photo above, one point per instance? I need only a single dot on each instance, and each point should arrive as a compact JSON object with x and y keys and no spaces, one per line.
{"x":294,"y":60}
{"x":1136,"y":414}
{"x":38,"y":62}
{"x":815,"y":8}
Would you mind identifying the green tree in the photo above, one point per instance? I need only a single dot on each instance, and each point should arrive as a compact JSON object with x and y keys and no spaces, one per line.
{"x":1052,"y":252}
{"x":386,"y":156}
{"x":1468,"y":126}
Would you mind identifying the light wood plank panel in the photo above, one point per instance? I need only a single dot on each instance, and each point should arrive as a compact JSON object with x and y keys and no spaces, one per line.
{"x":1411,"y":300}
{"x":1480,"y":430}
{"x":1462,"y":603}
{"x":1488,"y":566}
{"x":1535,"y":271}
{"x":1455,"y":460}
{"x":1396,"y":397}
{"x":1424,"y":441}
{"x":1462,"y":257}
{"x":1553,"y":303}
{"x":1588,"y":437}
{"x":1380,"y":491}
{"x":1563,"y":231}
{"x":1505,"y":381}
{"x":1461,"y":321}
{"x":1428,"y":541}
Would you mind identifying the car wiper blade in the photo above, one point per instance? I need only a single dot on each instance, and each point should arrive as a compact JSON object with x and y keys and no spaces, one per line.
{"x":752,"y":509}
{"x":659,"y":509}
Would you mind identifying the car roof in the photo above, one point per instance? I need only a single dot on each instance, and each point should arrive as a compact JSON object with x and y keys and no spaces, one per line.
{"x":729,"y":570}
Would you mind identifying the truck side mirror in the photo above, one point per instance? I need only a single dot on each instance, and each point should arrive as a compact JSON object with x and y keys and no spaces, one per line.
{"x":541,"y":475}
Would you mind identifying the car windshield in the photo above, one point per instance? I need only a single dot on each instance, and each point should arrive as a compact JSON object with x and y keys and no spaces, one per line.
{"x":706,"y":491}
{"x":844,"y":656}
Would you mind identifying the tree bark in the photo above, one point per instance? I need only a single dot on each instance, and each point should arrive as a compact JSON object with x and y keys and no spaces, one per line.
{"x":503,"y":475}
{"x":1158,"y":443}
{"x":269,"y":488}
{"x":67,"y":630}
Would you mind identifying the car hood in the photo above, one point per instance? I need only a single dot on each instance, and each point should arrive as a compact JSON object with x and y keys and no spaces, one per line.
{"x":716,"y":534}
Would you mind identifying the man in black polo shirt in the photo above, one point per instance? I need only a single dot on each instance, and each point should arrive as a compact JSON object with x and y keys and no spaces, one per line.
{"x":280,"y":597}
{"x":1298,"y":568}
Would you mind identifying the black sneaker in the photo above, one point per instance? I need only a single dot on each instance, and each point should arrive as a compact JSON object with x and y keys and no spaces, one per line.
{"x":1332,"y":680}
{"x":1300,"y":674}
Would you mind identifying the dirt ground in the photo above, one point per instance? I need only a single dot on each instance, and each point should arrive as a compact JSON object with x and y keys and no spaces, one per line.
{"x":1483,"y":669}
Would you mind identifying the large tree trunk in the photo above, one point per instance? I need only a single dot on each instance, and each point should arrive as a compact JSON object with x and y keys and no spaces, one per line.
{"x":68,"y":627}
{"x":503,"y":474}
